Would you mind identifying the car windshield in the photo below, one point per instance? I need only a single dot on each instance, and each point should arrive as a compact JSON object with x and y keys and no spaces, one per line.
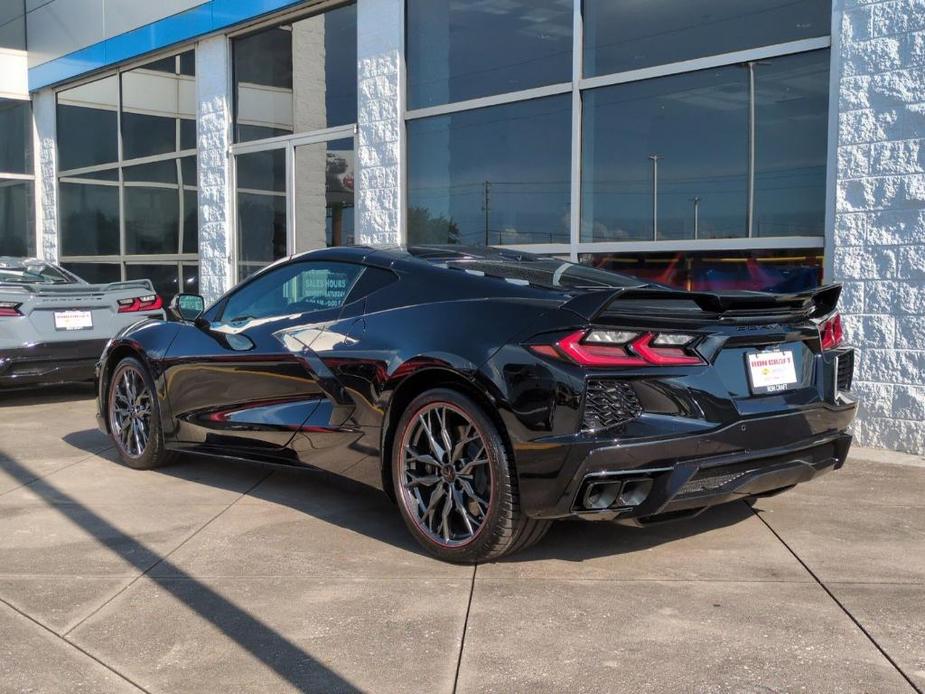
{"x":38,"y":273}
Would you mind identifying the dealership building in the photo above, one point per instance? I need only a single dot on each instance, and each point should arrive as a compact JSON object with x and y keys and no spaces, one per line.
{"x":707,"y":144}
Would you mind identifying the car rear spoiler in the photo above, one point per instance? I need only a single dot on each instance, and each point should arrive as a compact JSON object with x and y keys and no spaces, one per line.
{"x":735,"y":304}
{"x":76,"y":289}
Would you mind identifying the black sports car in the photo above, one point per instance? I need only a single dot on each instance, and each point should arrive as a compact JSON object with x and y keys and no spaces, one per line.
{"x":491,"y":392}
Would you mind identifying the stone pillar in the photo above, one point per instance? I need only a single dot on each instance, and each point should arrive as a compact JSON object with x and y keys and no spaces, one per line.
{"x":214,"y":111}
{"x":878,"y":59}
{"x":45,"y":158}
{"x":380,"y":138}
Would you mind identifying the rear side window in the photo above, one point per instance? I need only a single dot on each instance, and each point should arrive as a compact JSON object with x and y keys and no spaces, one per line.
{"x":290,"y":289}
{"x":372,"y":279}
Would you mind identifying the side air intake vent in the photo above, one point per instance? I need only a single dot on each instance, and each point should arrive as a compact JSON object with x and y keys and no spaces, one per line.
{"x":845,"y":371}
{"x":609,"y":403}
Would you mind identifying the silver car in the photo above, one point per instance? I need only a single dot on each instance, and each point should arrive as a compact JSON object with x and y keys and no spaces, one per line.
{"x":54,"y":325}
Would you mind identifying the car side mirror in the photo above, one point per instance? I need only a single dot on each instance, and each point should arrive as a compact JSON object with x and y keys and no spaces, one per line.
{"x":187,"y":307}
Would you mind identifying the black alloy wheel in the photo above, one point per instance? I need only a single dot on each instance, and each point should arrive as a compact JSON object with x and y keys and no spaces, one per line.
{"x":454,"y":482}
{"x":133,"y":415}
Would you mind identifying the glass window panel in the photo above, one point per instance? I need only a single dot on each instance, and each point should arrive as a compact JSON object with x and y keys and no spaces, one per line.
{"x":154,"y":98}
{"x":188,"y":171}
{"x":190,"y":279}
{"x":152,"y":220}
{"x":261,"y":209}
{"x":96,"y":273}
{"x":187,"y":134}
{"x":163,"y":277}
{"x":690,"y":129}
{"x":89,"y":219}
{"x":779,"y":270}
{"x":296,"y":78}
{"x":190,"y":221}
{"x":295,"y":288}
{"x":633,"y":34}
{"x":15,"y":136}
{"x":496,"y":175}
{"x":155,"y":172}
{"x":145,"y":136}
{"x":87,"y":124}
{"x":464,"y":50}
{"x":188,"y":63}
{"x":17,"y":230}
{"x":791,"y":115}
{"x":324,"y":196}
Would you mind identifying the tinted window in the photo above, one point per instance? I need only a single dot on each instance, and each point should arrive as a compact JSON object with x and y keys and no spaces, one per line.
{"x":544,"y":272}
{"x":691,"y":131}
{"x":261,"y":209}
{"x":15,"y":136}
{"x":163,"y":277}
{"x":296,"y":78}
{"x":89,"y":219}
{"x":96,"y":273}
{"x":87,"y":124}
{"x":17,"y":233}
{"x":464,"y":50}
{"x":632,"y":34}
{"x":496,"y":175}
{"x":324,"y":182}
{"x":791,"y":113}
{"x":292,"y":288}
{"x":373,"y":279}
{"x":158,"y":109}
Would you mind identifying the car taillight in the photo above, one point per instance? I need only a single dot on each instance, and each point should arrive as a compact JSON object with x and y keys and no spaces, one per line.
{"x":830,"y":332}
{"x":150,"y":302}
{"x":9,"y":309}
{"x":605,"y":348}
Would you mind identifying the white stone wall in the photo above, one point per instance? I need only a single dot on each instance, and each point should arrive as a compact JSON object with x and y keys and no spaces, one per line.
{"x":879,"y":230}
{"x":379,"y":121}
{"x":46,"y":182}
{"x":214,"y":104}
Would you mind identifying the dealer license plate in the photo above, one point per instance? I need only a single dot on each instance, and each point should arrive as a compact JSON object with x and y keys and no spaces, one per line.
{"x":73,"y":320}
{"x":772,"y":371}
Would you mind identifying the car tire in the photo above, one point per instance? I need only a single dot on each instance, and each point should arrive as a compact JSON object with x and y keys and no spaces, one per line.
{"x":477,"y":517}
{"x":138,"y":435}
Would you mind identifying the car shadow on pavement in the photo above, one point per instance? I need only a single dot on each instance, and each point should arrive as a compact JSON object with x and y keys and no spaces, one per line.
{"x":361,"y":509}
{"x":280,"y":654}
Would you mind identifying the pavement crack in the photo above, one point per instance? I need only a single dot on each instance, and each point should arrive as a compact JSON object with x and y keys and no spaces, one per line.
{"x":841,"y":606}
{"x":73,"y":645}
{"x":462,"y":641}
{"x":164,"y":558}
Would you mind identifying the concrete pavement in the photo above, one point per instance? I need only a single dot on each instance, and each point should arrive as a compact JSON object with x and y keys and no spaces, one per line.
{"x":217,"y":576}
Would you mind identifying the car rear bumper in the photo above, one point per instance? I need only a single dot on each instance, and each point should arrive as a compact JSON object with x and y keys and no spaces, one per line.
{"x":659,"y":478}
{"x":49,"y":363}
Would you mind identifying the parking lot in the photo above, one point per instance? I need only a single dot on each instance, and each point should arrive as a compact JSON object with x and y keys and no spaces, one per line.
{"x":219,"y":576}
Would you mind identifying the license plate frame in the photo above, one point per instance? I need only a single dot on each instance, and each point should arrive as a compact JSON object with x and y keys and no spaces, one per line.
{"x":73,"y":320}
{"x":771,"y":371}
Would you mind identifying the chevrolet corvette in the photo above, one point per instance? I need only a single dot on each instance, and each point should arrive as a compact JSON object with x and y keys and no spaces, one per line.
{"x":491,"y":392}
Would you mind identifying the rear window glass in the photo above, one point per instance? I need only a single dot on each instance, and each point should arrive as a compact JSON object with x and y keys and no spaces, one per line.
{"x":40,"y":273}
{"x":545,"y":272}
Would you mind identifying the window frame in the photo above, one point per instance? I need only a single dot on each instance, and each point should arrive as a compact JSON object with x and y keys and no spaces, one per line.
{"x":576,"y":87}
{"x":28,"y":177}
{"x":123,"y":259}
{"x":289,"y":143}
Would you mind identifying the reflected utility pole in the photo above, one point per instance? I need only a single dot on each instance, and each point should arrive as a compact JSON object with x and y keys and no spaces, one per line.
{"x":655,"y":158}
{"x":696,"y":200}
{"x":486,"y":207}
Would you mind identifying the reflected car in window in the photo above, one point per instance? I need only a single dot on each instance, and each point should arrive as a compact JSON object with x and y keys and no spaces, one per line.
{"x":491,"y":392}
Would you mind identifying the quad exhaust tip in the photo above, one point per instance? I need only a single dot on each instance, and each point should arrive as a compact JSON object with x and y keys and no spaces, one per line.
{"x":616,"y":494}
